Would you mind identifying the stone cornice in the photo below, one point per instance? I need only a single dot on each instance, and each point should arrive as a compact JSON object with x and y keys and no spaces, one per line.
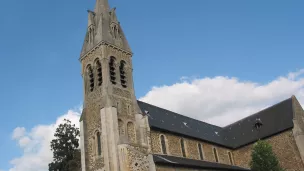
{"x":104,"y":43}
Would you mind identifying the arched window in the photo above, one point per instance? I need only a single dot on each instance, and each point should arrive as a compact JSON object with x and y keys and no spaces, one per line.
{"x":99,"y":72}
{"x":183,"y":147}
{"x":123,"y":78}
{"x":163,"y":144}
{"x":215,"y":154}
{"x":91,"y":78}
{"x":98,"y":143}
{"x":230,"y":158}
{"x":200,"y":150}
{"x":112,"y":70}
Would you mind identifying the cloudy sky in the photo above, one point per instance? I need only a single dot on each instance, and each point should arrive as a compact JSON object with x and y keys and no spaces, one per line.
{"x":217,"y":61}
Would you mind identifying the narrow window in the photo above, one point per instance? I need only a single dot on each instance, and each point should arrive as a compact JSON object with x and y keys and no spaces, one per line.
{"x":112,"y":70}
{"x":123,"y":78}
{"x":230,"y":158}
{"x":163,"y":144}
{"x":91,"y":78}
{"x":94,"y":144}
{"x":99,"y":72}
{"x":183,"y":147}
{"x":200,"y":150}
{"x":99,"y":143}
{"x":215,"y":155}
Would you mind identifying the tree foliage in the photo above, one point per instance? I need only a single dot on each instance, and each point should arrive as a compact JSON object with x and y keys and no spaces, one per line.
{"x":263,"y":158}
{"x":66,"y":155}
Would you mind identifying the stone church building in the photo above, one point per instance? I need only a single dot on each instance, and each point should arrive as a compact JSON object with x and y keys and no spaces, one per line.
{"x":120,"y":133}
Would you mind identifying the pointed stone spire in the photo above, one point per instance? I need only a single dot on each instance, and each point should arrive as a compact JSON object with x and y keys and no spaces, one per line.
{"x":102,"y":6}
{"x":103,"y":26}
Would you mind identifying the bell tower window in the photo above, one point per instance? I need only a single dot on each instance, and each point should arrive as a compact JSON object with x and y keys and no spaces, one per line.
{"x":112,"y":70}
{"x":91,"y":78}
{"x":99,"y":72}
{"x":123,"y":78}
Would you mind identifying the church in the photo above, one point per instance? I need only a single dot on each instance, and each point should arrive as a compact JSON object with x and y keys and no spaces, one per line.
{"x":120,"y":133}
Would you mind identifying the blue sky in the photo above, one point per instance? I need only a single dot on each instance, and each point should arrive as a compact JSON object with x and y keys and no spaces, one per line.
{"x":40,"y":42}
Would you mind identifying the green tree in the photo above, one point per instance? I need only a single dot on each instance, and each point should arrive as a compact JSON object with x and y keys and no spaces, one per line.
{"x":66,"y":155}
{"x":263,"y":158}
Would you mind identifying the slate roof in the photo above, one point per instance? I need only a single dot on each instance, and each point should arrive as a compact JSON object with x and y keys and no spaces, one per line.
{"x":195,"y":164}
{"x":175,"y":123}
{"x":275,"y":119}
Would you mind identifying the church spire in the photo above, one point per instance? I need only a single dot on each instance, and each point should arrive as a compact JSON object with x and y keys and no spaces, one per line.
{"x":103,"y":26}
{"x":102,"y":6}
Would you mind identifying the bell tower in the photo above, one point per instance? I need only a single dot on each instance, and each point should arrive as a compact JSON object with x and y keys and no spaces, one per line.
{"x":114,"y":132}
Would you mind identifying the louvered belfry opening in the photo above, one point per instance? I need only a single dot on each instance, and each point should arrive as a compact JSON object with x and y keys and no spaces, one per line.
{"x":112,"y":70}
{"x":123,"y":78}
{"x":99,"y":73}
{"x":91,"y":78}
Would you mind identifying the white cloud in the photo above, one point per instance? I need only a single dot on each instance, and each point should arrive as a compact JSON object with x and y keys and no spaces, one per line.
{"x":294,"y":75}
{"x":223,"y":100}
{"x":35,"y":144}
{"x":24,"y":141}
{"x":18,"y":132}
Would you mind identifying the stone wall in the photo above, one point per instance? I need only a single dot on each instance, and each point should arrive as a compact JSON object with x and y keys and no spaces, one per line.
{"x":283,"y":146}
{"x":191,"y":145}
{"x":298,"y":130}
